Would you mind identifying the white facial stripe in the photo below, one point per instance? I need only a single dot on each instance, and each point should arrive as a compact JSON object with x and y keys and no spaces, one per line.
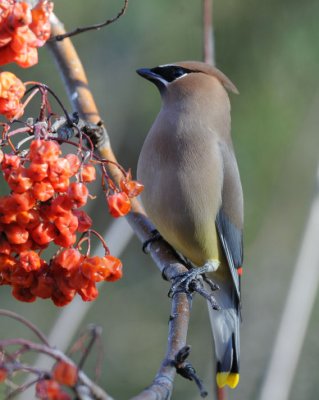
{"x":176,"y":79}
{"x":164,"y":82}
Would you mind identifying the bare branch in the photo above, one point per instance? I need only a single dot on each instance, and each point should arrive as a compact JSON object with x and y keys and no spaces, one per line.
{"x":91,"y":27}
{"x":99,"y":393}
{"x":27,"y":323}
{"x":208,"y":34}
{"x":21,"y":389}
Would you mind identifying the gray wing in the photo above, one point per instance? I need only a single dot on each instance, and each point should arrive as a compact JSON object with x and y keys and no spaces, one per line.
{"x":232,"y":243}
{"x":229,"y":220}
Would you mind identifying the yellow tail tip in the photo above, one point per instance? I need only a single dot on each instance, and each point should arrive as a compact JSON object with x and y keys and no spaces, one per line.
{"x":225,"y":378}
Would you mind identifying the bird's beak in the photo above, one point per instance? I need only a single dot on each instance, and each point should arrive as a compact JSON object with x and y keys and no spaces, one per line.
{"x":147,"y":74}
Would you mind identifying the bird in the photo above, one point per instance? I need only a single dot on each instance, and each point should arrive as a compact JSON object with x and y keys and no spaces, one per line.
{"x":193,"y":192}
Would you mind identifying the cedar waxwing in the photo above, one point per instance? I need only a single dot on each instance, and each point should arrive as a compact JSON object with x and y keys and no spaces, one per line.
{"x":192,"y":190}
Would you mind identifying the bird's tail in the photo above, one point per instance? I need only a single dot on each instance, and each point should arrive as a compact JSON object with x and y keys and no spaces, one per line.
{"x":225,"y":326}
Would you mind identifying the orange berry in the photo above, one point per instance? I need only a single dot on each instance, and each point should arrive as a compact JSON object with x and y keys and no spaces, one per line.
{"x":37,"y":171}
{"x":7,"y":263}
{"x":65,"y":373}
{"x":88,"y":173}
{"x":43,"y":286}
{"x":11,"y":88}
{"x":22,"y":278}
{"x":74,"y":163}
{"x":16,"y":234}
{"x":18,"y":202}
{"x":68,"y":259}
{"x":23,"y":294}
{"x":59,"y":167}
{"x":20,"y":15}
{"x":131,"y":188}
{"x":77,"y":280}
{"x":119,"y":204}
{"x":18,"y":248}
{"x":10,"y":162}
{"x":43,"y":190}
{"x":67,"y":223}
{"x":89,"y":292}
{"x":61,"y":205}
{"x":115,"y":267}
{"x":40,"y":20}
{"x":60,"y":298}
{"x":28,"y":219}
{"x":8,"y":217}
{"x":29,"y":260}
{"x":22,"y":39}
{"x":26,"y":59}
{"x":65,"y":240}
{"x":44,"y":151}
{"x":44,"y":233}
{"x":18,"y":181}
{"x":107,"y":268}
{"x":48,"y":389}
{"x":78,"y":193}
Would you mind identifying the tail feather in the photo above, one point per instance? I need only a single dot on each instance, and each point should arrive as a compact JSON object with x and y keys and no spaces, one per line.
{"x":225,"y":326}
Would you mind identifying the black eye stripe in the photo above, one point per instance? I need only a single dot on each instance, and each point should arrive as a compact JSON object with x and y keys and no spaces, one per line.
{"x":170,"y":72}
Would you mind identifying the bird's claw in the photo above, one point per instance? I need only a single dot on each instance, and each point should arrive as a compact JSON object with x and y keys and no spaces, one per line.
{"x":192,"y":281}
{"x":182,"y":282}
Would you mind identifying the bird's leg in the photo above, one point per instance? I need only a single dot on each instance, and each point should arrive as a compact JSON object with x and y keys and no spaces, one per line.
{"x":190,"y":281}
{"x":197,"y":286}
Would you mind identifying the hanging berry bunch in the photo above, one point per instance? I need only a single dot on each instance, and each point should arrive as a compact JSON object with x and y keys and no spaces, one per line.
{"x":22,"y":30}
{"x":48,"y":190}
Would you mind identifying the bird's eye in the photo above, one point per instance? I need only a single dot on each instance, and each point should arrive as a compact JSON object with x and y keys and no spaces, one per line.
{"x":178,"y":72}
{"x":170,"y":72}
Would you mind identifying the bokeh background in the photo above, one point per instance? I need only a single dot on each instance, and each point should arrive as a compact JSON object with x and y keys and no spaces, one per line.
{"x":270,"y":50}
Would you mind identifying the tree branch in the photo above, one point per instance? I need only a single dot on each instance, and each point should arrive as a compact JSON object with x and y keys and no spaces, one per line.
{"x":27,"y":323}
{"x":98,"y":393}
{"x":77,"y":31}
{"x":208,"y":35}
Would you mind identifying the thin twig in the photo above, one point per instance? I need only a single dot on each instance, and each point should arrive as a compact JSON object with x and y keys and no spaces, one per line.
{"x":59,"y":356}
{"x":91,"y":27}
{"x":95,"y":334}
{"x":208,"y":34}
{"x":21,"y":389}
{"x":27,"y":323}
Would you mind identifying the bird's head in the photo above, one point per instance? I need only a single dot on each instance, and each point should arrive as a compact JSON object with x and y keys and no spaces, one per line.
{"x":185,"y":74}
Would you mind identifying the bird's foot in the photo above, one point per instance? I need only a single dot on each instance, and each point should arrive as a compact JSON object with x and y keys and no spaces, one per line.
{"x":192,"y":281}
{"x":200,"y":289}
{"x":155,"y":235}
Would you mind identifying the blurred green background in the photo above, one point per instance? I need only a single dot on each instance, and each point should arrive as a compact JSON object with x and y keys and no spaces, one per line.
{"x":270,"y":50}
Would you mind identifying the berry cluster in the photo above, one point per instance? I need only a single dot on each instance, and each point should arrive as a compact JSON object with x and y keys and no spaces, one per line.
{"x":23,"y":30}
{"x":44,"y":207}
{"x":63,"y":373}
{"x":11,"y":92}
